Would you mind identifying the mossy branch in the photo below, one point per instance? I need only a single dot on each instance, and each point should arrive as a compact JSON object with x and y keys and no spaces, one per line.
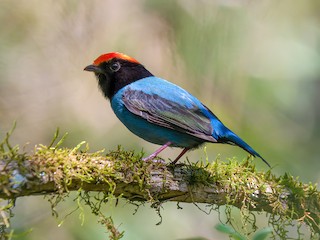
{"x":120,"y":173}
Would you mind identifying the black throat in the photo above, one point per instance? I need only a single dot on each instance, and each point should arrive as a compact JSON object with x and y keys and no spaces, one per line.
{"x":111,"y":82}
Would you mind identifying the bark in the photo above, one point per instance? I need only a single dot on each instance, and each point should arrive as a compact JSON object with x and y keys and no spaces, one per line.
{"x":54,"y":170}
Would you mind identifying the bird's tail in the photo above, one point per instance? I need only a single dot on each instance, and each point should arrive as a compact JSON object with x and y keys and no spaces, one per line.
{"x":232,"y":138}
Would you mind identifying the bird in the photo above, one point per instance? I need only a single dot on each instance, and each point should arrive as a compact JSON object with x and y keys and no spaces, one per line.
{"x":157,"y":110}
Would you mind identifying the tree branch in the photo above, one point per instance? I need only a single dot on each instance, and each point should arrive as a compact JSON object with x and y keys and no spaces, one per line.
{"x":58,"y":170}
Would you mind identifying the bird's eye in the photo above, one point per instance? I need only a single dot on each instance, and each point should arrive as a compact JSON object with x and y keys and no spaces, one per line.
{"x":115,"y":66}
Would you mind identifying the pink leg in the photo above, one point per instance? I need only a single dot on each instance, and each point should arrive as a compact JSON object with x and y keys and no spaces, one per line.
{"x":180,"y":155}
{"x":153,"y":155}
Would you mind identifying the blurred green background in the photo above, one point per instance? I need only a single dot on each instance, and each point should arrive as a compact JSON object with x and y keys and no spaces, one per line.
{"x":255,"y":64}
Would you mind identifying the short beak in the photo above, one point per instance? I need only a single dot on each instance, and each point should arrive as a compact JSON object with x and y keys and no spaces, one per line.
{"x":93,"y":68}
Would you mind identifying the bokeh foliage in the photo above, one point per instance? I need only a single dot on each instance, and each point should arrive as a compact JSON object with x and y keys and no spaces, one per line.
{"x":254,"y":63}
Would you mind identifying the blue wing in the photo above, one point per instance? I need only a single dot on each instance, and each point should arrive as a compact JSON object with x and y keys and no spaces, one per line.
{"x":169,"y":106}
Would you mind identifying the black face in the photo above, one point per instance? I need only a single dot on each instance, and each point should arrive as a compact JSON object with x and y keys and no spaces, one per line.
{"x":117,"y":73}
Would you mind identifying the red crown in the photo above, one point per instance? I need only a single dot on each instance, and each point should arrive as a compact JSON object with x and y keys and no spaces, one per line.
{"x":108,"y":56}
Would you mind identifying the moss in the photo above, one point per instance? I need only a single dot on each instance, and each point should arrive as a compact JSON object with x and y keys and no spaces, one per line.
{"x":114,"y":232}
{"x":285,"y":197}
{"x":59,"y":169}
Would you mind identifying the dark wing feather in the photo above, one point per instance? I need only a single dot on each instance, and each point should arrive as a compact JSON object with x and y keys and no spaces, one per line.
{"x":169,"y":114}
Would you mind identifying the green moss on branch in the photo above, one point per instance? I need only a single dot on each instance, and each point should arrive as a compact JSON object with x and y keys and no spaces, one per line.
{"x":56,"y":170}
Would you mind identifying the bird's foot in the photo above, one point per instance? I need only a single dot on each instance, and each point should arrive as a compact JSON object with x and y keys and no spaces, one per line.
{"x":159,"y":161}
{"x":149,"y":158}
{"x":152,"y":158}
